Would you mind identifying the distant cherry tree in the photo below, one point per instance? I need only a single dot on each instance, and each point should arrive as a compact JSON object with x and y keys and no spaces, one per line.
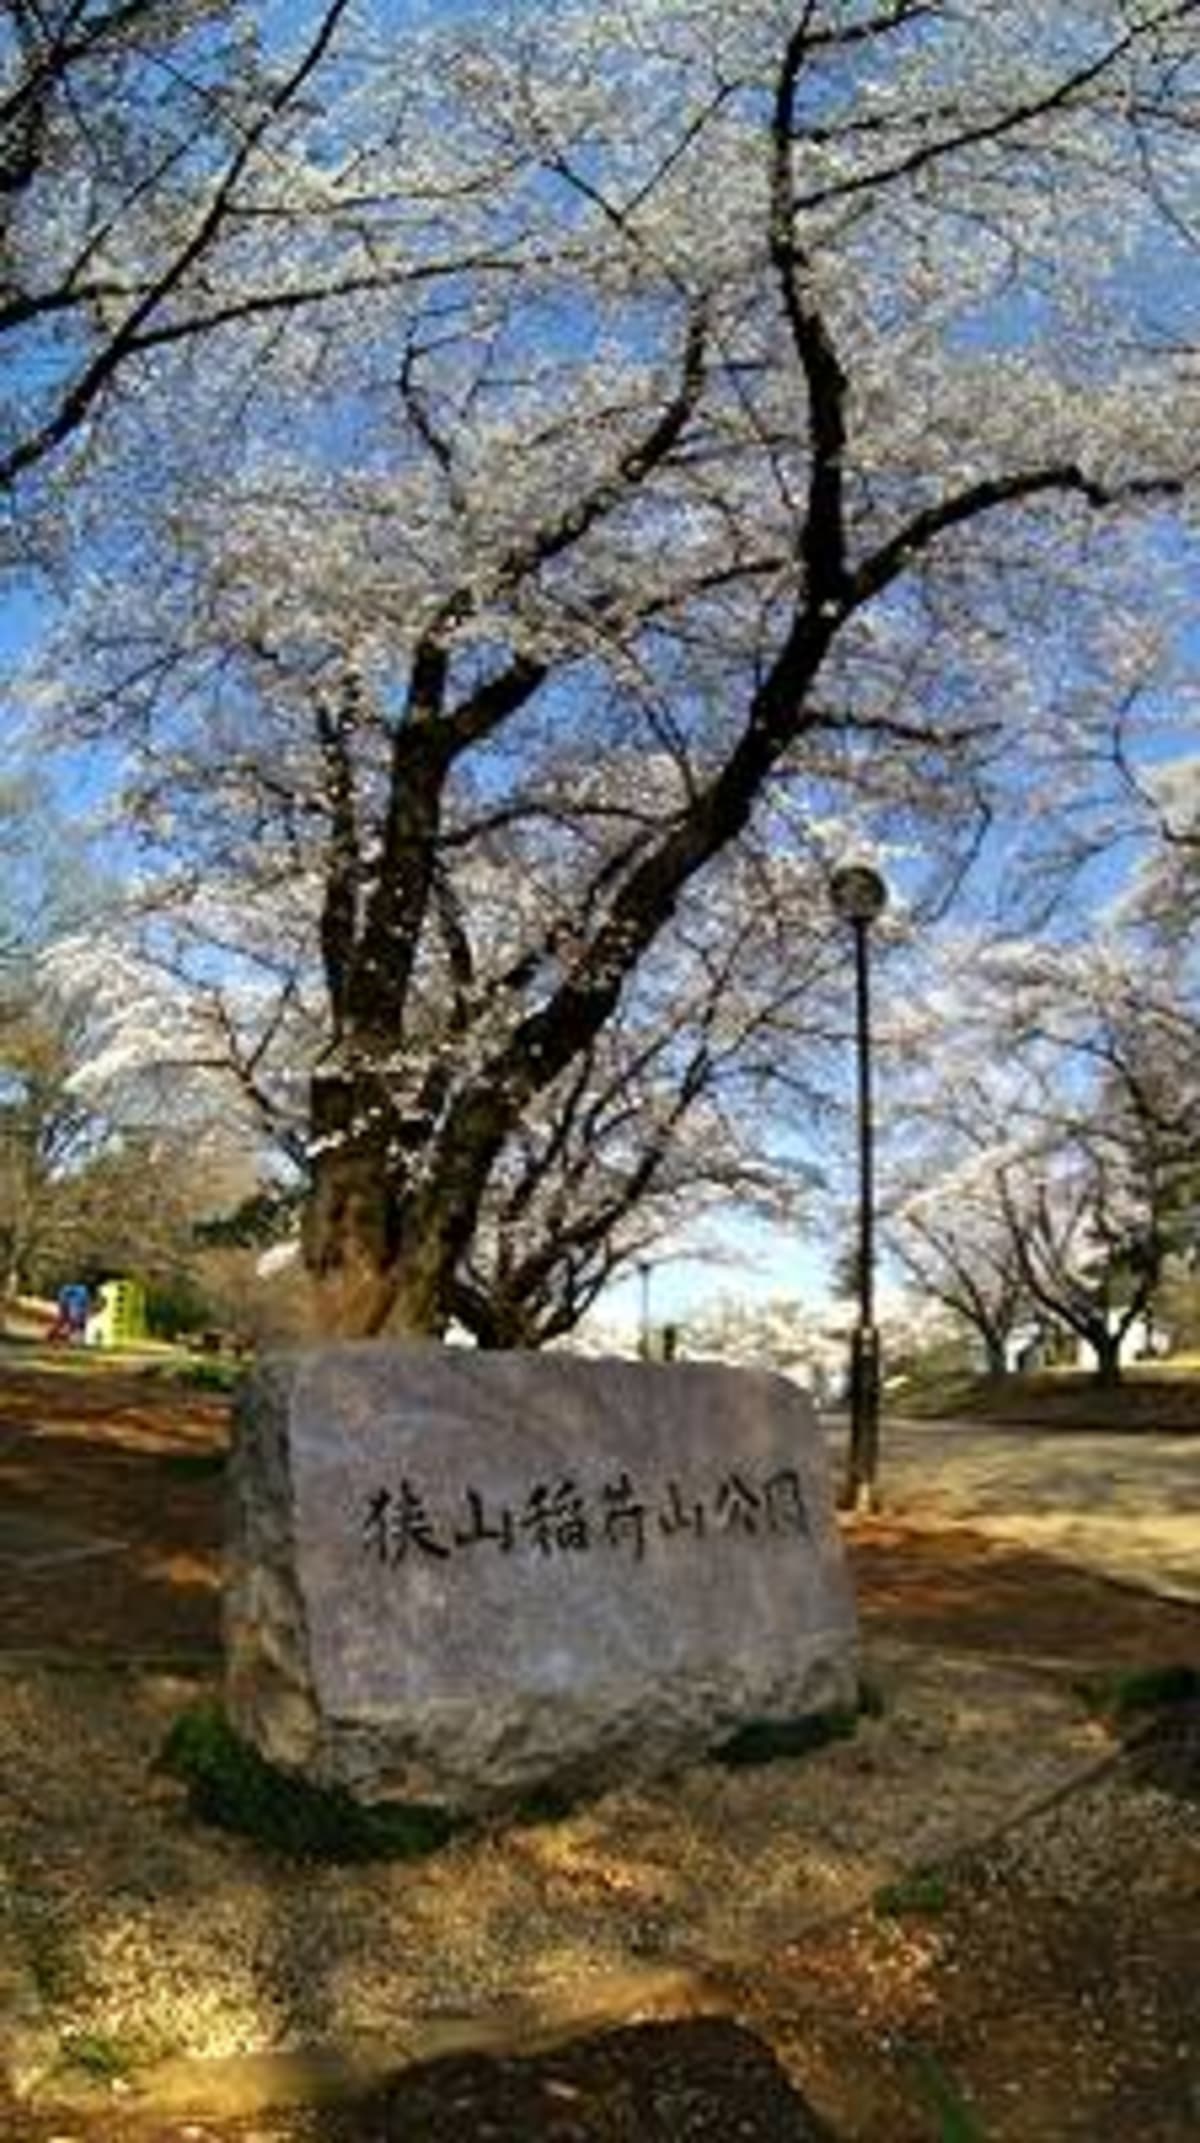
{"x":1053,"y":1118}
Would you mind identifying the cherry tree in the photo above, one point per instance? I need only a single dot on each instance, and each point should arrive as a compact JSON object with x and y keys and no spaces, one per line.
{"x":1160,"y":907}
{"x":956,"y":1248}
{"x":687,"y":1102}
{"x":1061,"y":1097}
{"x":797,"y":1338}
{"x":48,"y":881}
{"x":676,"y":1112}
{"x":739,"y":433}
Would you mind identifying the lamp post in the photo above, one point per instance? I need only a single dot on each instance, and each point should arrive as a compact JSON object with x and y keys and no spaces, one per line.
{"x":645,"y":1347}
{"x":859,"y":897}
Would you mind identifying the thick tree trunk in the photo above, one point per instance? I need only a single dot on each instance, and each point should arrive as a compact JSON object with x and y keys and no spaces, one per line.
{"x":348,"y":1232}
{"x":381,"y":1255}
{"x":351,"y":1224}
{"x":510,"y":1328}
{"x":360,"y":1290}
{"x":1107,"y":1347}
{"x":995,"y":1357}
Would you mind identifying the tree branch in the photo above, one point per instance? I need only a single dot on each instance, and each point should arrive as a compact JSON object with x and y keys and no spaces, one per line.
{"x":76,"y":403}
{"x":823,"y":537}
{"x":1066,"y":479}
{"x":989,"y":130}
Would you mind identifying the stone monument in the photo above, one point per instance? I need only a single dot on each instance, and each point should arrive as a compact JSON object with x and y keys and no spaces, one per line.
{"x":457,"y":1576}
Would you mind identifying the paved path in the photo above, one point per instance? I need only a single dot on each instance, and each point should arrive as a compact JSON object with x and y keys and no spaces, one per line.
{"x":1127,"y":1507}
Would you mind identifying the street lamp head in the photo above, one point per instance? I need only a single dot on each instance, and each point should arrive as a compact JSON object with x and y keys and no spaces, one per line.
{"x":858,"y":892}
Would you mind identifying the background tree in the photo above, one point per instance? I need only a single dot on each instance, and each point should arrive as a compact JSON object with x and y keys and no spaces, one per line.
{"x":47,"y":885}
{"x":45,"y":1129}
{"x":811,"y":1341}
{"x":780,"y":1333}
{"x":136,"y":1209}
{"x":645,"y":526}
{"x":956,"y":1248}
{"x":1093,"y":1231}
{"x":1061,"y":1105}
{"x":83,"y":1194}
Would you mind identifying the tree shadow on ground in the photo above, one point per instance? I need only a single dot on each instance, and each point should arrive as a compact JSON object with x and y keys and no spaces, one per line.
{"x":954,"y":1588}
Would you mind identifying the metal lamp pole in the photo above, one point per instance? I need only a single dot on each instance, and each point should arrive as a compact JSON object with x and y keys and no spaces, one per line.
{"x":859,"y":897}
{"x":645,"y":1347}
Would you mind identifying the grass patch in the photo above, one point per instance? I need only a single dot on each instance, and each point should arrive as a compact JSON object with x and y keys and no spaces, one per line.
{"x":97,"y":2055}
{"x":1150,"y":1397}
{"x":922,"y":1894}
{"x":205,"y":1374}
{"x":956,"y":2122}
{"x":765,"y":1741}
{"x":193,"y":1465}
{"x":70,"y":1361}
{"x":1122,"y":1696}
{"x":230,"y":1785}
{"x":46,"y":1941}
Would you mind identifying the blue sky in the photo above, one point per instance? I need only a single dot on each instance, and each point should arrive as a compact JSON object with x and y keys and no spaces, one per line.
{"x":754,"y":1262}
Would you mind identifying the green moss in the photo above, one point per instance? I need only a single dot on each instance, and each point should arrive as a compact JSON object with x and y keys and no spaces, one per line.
{"x":229,"y":1784}
{"x":548,"y":1803}
{"x":194,"y":1465}
{"x":871,"y":1703}
{"x":1121,"y":1696}
{"x":765,"y":1741}
{"x":924,"y":1892}
{"x":956,"y":2122}
{"x":206,"y":1375}
{"x":96,"y":2055}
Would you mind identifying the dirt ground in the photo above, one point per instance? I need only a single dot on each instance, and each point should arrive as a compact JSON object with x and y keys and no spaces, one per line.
{"x":1045,"y":1989}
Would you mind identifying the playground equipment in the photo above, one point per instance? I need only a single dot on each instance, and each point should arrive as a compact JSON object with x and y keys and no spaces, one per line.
{"x":119,"y":1318}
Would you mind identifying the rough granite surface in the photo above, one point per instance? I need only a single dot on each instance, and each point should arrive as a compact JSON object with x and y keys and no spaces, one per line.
{"x":458,"y":1576}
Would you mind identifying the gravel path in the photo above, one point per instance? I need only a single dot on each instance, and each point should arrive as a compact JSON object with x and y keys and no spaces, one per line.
{"x":1053,"y":1987}
{"x":127,"y":1923}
